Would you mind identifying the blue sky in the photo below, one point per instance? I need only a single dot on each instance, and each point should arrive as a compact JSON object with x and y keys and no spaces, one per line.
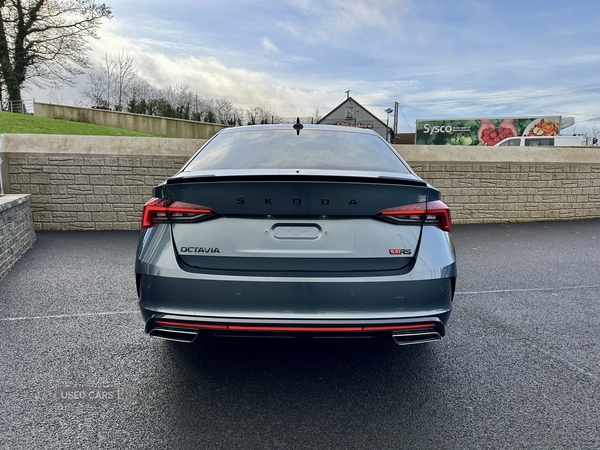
{"x":437,"y":58}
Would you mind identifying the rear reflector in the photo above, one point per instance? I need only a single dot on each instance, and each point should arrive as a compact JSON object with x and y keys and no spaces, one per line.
{"x":160,"y":210}
{"x":426,"y":213}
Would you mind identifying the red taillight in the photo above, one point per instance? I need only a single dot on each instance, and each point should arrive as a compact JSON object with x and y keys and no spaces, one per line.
{"x":160,"y":210}
{"x":438,"y":214}
{"x":426,"y":213}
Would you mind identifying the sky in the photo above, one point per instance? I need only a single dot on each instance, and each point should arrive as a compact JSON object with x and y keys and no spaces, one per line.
{"x":436,"y":58}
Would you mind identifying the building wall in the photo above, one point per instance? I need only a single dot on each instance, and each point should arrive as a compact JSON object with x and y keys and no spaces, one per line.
{"x":361,"y":118}
{"x":100,"y":183}
{"x":176,"y":128}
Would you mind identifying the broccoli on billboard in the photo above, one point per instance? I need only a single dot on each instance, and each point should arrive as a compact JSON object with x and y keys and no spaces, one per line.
{"x":487,"y":132}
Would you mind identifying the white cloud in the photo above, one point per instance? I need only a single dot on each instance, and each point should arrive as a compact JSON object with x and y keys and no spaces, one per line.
{"x":211,"y":78}
{"x":208,"y":72}
{"x":268,"y":46}
{"x":342,"y":14}
{"x":329,"y":20}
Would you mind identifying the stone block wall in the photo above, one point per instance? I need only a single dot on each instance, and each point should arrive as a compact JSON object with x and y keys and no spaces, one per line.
{"x":16,"y":230}
{"x":89,"y":182}
{"x":515,"y":192}
{"x":84,"y":192}
{"x":101,"y":183}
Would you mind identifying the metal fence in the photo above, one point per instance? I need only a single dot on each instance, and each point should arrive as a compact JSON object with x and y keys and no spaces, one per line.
{"x":21,"y":106}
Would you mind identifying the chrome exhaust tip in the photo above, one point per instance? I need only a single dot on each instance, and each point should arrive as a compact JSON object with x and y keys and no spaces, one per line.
{"x":175,"y":335}
{"x":416,"y":338}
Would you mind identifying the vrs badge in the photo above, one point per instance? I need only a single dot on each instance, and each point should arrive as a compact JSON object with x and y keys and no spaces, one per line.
{"x":400,"y":251}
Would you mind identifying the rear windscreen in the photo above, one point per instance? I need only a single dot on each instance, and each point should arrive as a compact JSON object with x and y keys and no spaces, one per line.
{"x":284,"y":149}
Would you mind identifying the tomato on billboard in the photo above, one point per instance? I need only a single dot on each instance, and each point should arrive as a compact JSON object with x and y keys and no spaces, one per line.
{"x":487,"y":131}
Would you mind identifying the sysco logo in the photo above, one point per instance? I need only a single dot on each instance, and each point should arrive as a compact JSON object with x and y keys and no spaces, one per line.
{"x":437,"y":129}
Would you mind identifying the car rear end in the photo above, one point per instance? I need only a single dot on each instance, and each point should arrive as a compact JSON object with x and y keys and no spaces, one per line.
{"x":320,"y":232}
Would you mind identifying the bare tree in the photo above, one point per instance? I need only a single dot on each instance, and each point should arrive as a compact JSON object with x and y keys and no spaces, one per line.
{"x":180,"y":99}
{"x":137,"y":95}
{"x":268,"y":116}
{"x":253,"y":115}
{"x":99,"y":84}
{"x":113,"y":83}
{"x":125,"y":74}
{"x":593,"y":135}
{"x":317,"y":115}
{"x":258,"y":115}
{"x":226,"y":113}
{"x":53,"y":98}
{"x":141,"y":91}
{"x":207,"y":110}
{"x":44,"y":40}
{"x":203,"y":109}
{"x":595,"y":130}
{"x":178,"y":95}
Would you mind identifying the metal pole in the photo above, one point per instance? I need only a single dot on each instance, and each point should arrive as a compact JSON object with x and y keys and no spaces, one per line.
{"x":387,"y":128}
{"x":387,"y":124}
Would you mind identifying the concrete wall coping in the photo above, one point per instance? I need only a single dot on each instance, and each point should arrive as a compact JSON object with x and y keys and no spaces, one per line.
{"x":8,"y":201}
{"x":463,"y":154}
{"x":98,"y":145}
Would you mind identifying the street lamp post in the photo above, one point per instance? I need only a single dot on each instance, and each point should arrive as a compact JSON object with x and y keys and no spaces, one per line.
{"x":387,"y":124}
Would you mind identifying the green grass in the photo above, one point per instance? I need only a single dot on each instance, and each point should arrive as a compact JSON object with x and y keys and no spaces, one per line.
{"x":11,"y":123}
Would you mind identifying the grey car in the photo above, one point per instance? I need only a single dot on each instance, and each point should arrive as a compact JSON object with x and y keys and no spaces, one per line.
{"x":292,"y":230}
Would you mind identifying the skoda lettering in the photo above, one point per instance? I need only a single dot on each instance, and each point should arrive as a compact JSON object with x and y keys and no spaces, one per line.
{"x":241,"y":200}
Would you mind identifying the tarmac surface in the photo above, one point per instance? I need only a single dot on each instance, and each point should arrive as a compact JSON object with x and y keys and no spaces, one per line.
{"x":519,"y":367}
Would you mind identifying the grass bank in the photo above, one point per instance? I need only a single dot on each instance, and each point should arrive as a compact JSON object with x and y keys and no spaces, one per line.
{"x":12,"y":123}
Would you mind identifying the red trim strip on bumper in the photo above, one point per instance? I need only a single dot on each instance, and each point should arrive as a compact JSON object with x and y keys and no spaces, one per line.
{"x":295,"y":329}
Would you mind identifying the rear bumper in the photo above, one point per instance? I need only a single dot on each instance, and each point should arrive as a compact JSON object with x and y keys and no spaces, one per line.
{"x":188,"y":328}
{"x":338,"y":301}
{"x":240,"y":304}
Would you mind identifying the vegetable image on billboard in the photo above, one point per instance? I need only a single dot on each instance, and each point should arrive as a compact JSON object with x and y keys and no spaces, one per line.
{"x":545,"y":126}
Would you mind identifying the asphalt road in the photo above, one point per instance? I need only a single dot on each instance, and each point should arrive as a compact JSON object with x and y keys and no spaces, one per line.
{"x":519,"y":367}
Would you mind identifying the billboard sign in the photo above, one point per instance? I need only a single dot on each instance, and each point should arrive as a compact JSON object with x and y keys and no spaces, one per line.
{"x":486,"y":131}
